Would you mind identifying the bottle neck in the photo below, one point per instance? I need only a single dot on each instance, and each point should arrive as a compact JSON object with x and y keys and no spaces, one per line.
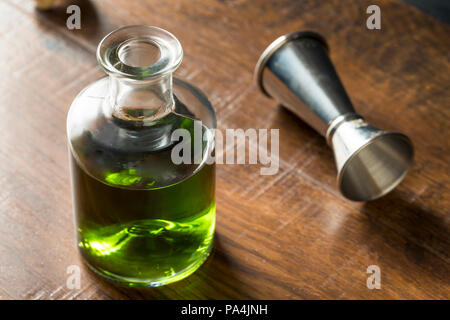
{"x":139,"y":100}
{"x":140,"y":61}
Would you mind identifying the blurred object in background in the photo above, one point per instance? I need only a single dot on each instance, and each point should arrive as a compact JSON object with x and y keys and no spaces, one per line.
{"x":47,"y":4}
{"x":44,"y":4}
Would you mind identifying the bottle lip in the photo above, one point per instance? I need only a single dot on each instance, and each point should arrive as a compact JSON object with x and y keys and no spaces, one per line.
{"x":111,"y":47}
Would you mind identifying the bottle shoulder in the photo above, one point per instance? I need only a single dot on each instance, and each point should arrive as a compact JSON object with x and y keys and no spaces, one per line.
{"x":117,"y":152}
{"x":91,"y":104}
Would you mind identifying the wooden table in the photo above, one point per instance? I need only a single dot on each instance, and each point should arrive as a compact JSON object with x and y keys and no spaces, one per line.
{"x":286,"y":236}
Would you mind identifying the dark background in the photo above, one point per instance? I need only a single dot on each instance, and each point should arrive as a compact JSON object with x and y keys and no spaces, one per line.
{"x":438,"y":8}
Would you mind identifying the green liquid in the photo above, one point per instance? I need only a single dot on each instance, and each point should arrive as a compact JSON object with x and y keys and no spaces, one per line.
{"x":147,"y":221}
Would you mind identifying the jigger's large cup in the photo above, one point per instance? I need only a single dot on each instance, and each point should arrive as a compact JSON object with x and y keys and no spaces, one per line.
{"x":296,"y":70}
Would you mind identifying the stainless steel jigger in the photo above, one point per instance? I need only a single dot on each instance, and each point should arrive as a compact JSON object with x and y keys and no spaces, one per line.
{"x":296,"y":70}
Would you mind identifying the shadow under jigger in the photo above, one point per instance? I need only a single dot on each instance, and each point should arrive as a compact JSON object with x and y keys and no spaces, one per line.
{"x":296,"y":70}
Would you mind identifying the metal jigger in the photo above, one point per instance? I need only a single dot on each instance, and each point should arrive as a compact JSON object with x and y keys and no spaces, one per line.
{"x":296,"y":70}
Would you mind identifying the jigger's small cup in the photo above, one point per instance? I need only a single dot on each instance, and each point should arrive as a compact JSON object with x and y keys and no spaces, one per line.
{"x":296,"y":70}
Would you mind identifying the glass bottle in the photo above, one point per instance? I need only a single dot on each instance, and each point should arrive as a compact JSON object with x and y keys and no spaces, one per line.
{"x":142,"y":218}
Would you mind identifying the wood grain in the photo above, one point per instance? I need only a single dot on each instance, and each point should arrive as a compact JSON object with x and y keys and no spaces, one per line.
{"x":287,"y":236}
